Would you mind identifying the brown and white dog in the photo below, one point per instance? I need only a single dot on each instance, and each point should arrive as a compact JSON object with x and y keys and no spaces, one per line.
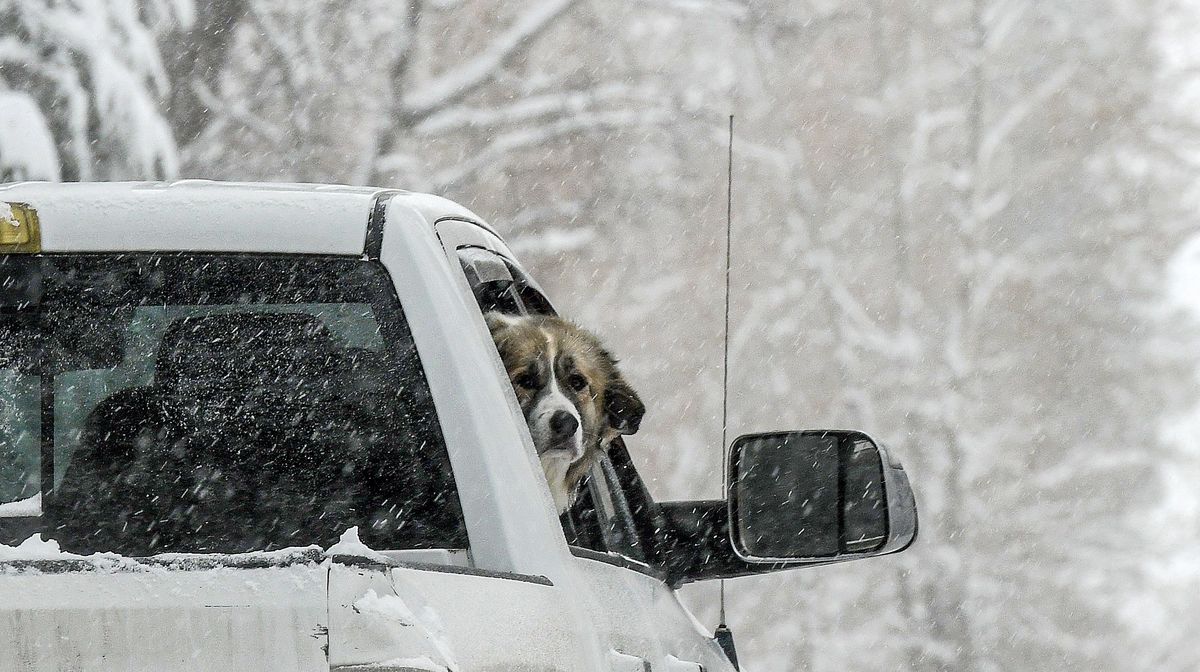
{"x":575,"y":400}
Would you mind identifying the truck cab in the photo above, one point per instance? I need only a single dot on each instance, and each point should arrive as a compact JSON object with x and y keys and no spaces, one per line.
{"x":252,"y":427}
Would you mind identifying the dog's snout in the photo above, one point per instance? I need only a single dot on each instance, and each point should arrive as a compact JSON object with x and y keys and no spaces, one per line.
{"x":563,"y":424}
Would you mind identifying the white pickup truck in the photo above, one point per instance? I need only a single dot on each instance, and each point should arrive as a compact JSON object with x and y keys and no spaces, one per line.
{"x":263,"y":427}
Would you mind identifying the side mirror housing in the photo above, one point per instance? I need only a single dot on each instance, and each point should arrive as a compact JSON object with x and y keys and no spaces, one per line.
{"x":817,"y":496}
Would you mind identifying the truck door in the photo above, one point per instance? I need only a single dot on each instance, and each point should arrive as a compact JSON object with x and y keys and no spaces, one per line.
{"x":400,"y":616}
{"x":516,"y":605}
{"x":643,"y":625}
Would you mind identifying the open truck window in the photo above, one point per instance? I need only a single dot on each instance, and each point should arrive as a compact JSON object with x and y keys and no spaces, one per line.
{"x":601,"y":517}
{"x":202,"y":403}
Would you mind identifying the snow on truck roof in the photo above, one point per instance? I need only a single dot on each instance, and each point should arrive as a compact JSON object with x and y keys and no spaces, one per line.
{"x":205,"y":216}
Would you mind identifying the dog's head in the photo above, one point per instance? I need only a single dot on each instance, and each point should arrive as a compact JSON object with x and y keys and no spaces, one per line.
{"x":573,"y":397}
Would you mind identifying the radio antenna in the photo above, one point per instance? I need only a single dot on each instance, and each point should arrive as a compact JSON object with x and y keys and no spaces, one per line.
{"x":725,"y":361}
{"x":723,"y":634}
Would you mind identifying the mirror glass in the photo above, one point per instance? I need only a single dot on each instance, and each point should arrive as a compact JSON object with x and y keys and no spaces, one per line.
{"x":864,"y":509}
{"x":808,"y":495}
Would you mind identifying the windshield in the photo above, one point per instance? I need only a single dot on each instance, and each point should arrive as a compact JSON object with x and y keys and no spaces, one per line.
{"x":216,"y":404}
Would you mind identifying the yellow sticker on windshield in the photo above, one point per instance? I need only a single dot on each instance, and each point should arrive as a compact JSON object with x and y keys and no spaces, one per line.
{"x":20,"y":231}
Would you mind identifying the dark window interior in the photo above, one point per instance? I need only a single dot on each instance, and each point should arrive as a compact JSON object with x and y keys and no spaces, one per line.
{"x":500,"y":286}
{"x":196,"y":403}
{"x":604,"y":516}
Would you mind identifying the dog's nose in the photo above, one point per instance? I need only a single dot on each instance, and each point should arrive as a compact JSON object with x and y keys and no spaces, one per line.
{"x":563,"y":424}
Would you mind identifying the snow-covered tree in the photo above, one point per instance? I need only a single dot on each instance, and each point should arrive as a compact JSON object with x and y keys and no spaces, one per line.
{"x":27,"y":150}
{"x":93,"y":71}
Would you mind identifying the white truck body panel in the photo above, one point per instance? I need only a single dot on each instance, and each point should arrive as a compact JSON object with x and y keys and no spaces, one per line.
{"x":147,"y":619}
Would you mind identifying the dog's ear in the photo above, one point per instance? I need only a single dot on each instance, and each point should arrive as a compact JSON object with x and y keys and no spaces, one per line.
{"x":498,"y":321}
{"x":622,"y":407}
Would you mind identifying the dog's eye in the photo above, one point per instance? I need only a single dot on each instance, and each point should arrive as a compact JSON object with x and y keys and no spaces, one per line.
{"x":577,"y":382}
{"x":526,"y":380}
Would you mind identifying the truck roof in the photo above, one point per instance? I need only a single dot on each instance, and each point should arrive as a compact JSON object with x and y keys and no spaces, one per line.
{"x":207,"y":216}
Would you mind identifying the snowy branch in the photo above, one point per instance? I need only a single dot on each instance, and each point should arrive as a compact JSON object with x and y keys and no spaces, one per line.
{"x":236,"y":111}
{"x":730,"y":9}
{"x":1002,"y":19}
{"x":1083,"y":461}
{"x":462,"y":80}
{"x":531,"y":109}
{"x":498,"y":150}
{"x":286,"y":57}
{"x":1012,"y":118}
{"x":864,"y":328}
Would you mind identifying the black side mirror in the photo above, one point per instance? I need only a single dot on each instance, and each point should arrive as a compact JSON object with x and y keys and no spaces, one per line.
{"x":817,"y":496}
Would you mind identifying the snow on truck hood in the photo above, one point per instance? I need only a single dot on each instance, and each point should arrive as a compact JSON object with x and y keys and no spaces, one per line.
{"x":295,"y":609}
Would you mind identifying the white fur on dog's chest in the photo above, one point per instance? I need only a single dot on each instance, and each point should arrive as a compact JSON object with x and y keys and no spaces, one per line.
{"x":556,"y":465}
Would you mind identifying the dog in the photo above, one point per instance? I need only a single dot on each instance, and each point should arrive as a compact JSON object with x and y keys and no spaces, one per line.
{"x":574,"y":398}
